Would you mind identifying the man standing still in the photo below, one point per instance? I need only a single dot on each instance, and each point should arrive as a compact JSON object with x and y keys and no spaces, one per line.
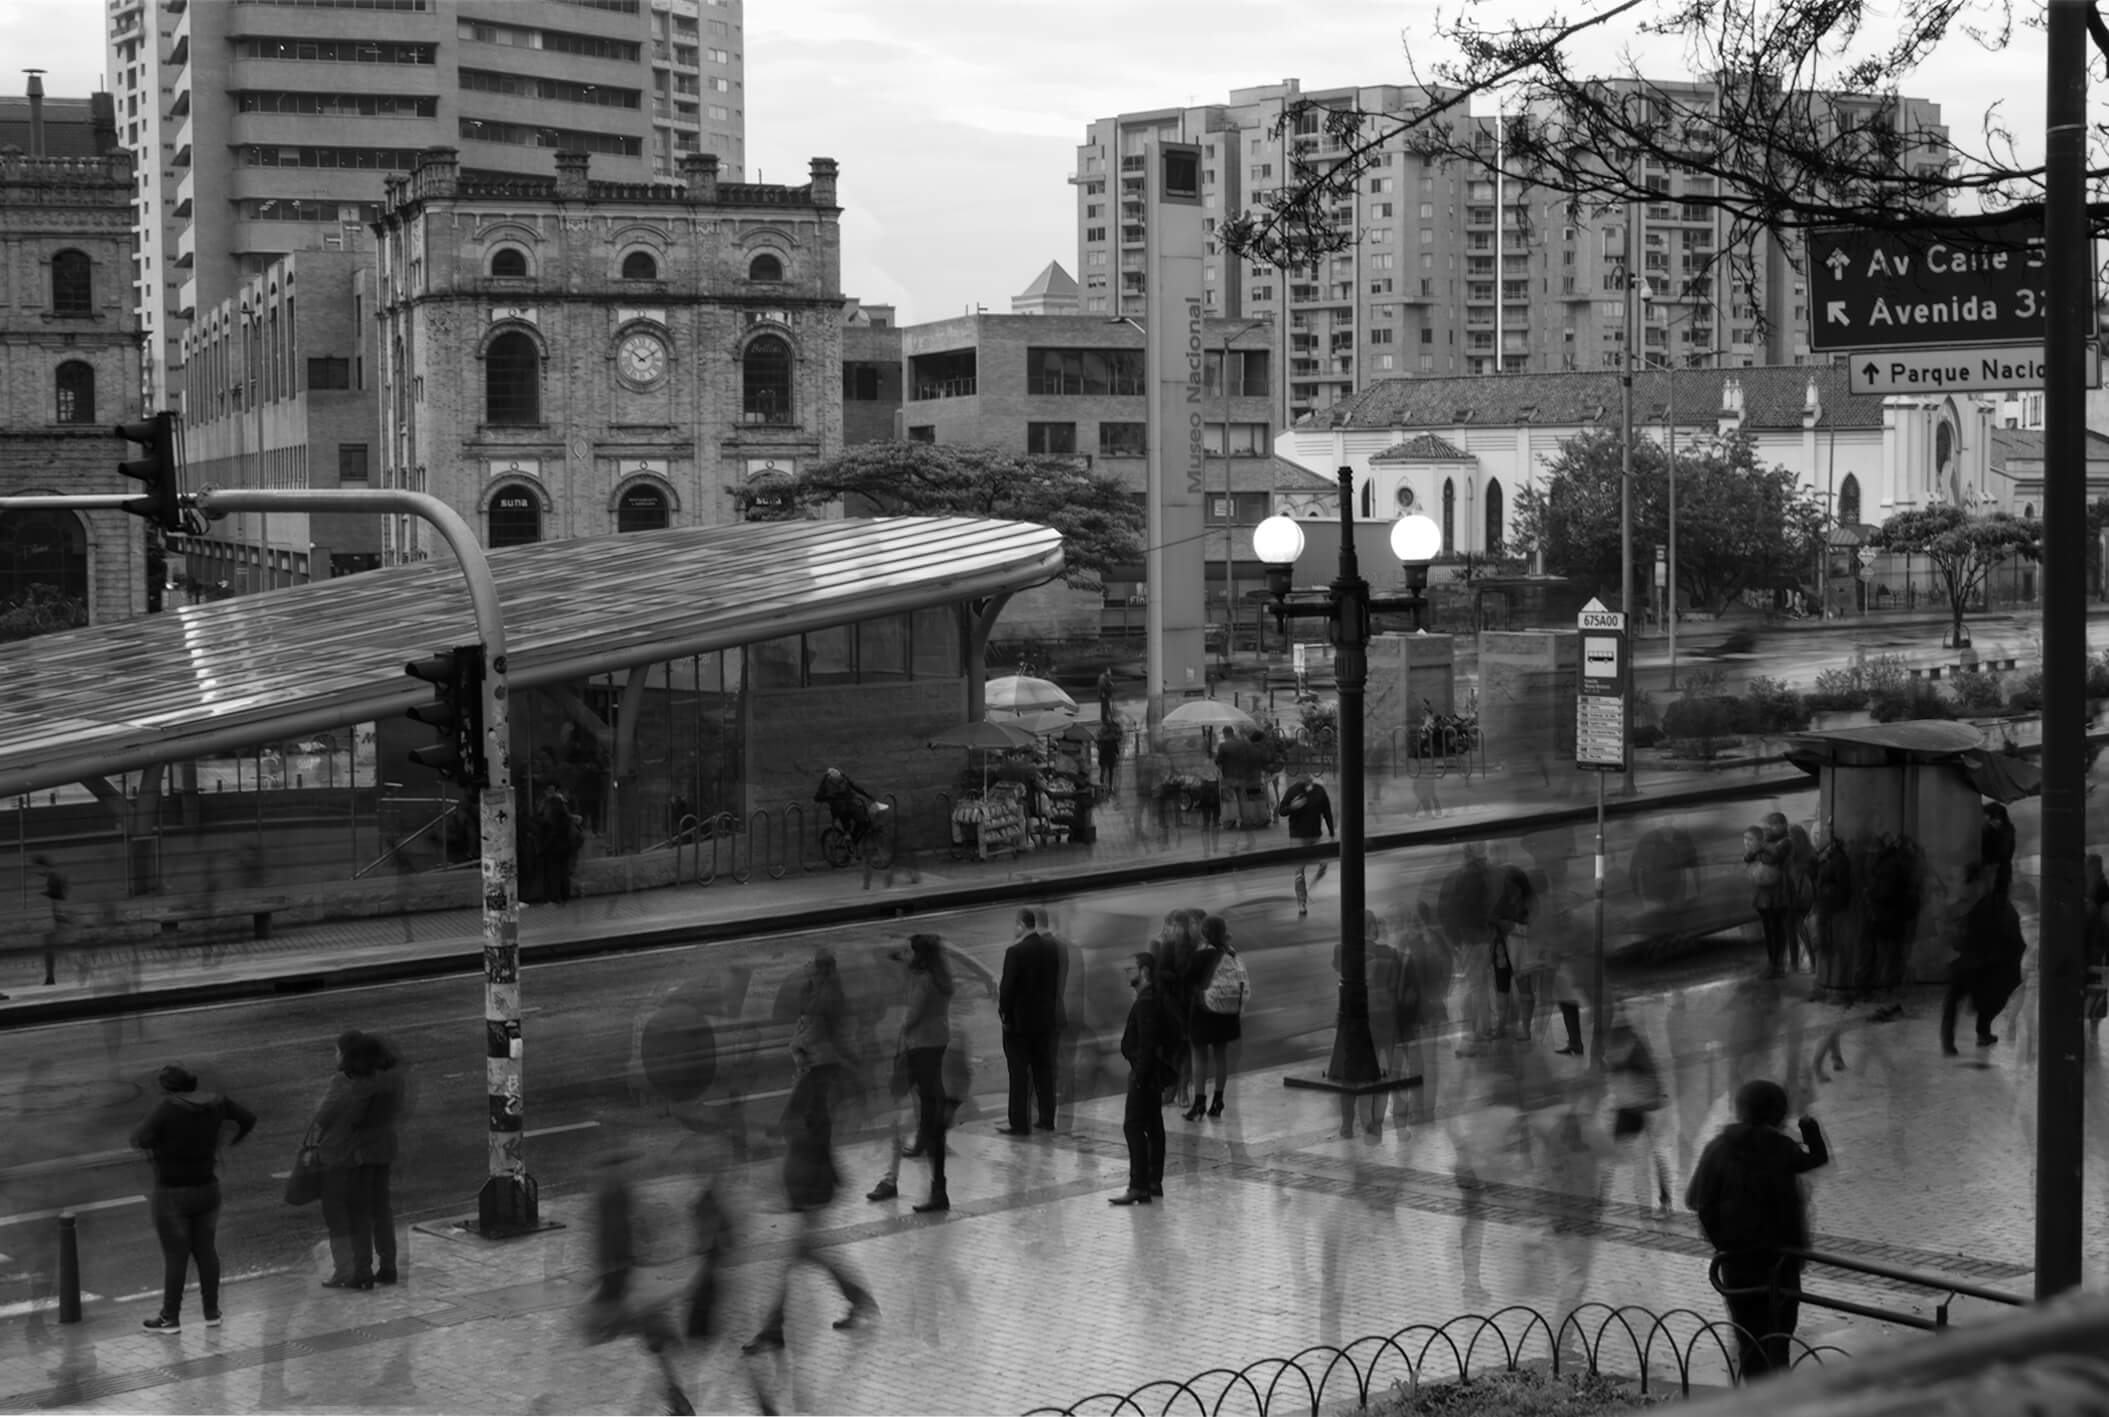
{"x":1747,"y":1192}
{"x":1142,"y":1122}
{"x":1308,"y":809}
{"x":182,"y":1135}
{"x":1029,"y":1001}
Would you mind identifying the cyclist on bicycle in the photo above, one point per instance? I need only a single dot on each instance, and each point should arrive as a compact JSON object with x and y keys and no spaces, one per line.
{"x":848,"y":803}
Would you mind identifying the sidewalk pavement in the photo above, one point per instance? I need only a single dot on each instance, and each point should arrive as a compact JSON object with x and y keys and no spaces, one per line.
{"x":1275,"y":1234}
{"x":185,"y":969}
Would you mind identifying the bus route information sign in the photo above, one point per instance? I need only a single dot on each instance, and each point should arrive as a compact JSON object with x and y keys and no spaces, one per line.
{"x":1600,"y":702}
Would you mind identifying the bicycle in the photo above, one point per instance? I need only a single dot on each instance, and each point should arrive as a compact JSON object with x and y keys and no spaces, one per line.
{"x":1446,"y":740}
{"x":870,"y":841}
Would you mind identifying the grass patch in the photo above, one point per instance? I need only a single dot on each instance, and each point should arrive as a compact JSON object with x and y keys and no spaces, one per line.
{"x":1524,"y":1392}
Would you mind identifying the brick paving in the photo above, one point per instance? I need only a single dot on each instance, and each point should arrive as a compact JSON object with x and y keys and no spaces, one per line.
{"x":1276,"y":1234}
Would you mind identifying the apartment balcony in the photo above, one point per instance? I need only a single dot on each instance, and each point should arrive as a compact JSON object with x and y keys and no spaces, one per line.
{"x":1134,"y":162}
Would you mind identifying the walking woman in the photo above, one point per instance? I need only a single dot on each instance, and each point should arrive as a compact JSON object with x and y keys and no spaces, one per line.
{"x":1219,"y":990}
{"x":347,"y":1209}
{"x":924,"y":1034}
{"x":1175,"y":947}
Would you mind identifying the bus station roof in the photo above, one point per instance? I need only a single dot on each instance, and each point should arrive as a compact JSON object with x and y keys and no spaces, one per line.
{"x":202,"y":679}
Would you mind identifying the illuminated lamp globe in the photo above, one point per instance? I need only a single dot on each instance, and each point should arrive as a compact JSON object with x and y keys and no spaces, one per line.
{"x":1279,"y":541}
{"x":1416,"y":539}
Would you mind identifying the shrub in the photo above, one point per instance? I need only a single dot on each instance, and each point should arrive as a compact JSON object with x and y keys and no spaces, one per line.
{"x":1914,"y":700}
{"x":1770,"y":706}
{"x":1702,"y":727}
{"x":1844,"y":688}
{"x":1704,"y":682}
{"x":1978,"y":692}
{"x":2027,"y":696}
{"x":1520,"y":1392}
{"x":1884,"y":672}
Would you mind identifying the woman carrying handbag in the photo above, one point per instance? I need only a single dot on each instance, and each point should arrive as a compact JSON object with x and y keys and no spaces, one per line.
{"x":346,"y":1208}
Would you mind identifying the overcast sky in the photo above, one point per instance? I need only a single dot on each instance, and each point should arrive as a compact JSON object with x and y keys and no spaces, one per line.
{"x":956,"y":121}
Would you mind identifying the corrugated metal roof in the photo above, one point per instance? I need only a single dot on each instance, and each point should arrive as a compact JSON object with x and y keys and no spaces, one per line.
{"x":163,"y":687}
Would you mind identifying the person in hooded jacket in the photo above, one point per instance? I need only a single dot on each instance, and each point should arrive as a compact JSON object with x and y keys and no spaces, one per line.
{"x":182,"y":1135}
{"x":347,"y":1209}
{"x":376,"y":1144}
{"x":1748,"y":1194}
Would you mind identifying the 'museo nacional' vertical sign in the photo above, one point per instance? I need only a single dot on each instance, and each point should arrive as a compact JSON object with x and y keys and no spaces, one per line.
{"x":1172,"y":370}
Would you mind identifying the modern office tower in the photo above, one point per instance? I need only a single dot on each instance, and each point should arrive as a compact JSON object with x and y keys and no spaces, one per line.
{"x":1452,"y":272}
{"x":263,"y":127}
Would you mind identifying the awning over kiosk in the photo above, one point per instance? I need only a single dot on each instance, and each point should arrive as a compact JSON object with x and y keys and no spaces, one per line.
{"x":201,"y":679}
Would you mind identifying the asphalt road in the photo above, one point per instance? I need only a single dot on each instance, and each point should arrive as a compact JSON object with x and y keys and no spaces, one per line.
{"x":84,"y":1085}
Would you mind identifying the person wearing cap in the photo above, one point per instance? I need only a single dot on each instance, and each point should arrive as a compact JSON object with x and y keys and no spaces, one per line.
{"x":1747,"y":1191}
{"x":182,"y":1136}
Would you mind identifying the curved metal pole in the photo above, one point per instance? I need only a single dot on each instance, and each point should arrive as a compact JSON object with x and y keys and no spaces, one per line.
{"x":508,"y":1203}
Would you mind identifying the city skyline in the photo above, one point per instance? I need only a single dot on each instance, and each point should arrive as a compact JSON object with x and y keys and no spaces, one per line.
{"x":955,"y":156}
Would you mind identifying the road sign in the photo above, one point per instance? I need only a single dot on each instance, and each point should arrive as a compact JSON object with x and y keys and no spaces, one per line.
{"x":1600,"y":702}
{"x":1867,"y":555}
{"x":1979,"y":369}
{"x":1934,"y":285}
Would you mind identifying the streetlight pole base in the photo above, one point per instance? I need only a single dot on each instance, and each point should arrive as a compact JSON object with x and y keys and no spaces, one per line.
{"x":508,"y":1206}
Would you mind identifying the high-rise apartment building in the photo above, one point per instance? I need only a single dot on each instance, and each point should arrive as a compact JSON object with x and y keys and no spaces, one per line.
{"x":1452,"y":272}
{"x":264,"y":127}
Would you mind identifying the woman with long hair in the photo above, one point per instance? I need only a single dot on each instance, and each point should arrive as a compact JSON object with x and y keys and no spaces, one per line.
{"x":924,"y":1034}
{"x":1212,"y":1016}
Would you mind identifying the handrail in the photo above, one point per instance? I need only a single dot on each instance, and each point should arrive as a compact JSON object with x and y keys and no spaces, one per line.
{"x":1921,"y":1279}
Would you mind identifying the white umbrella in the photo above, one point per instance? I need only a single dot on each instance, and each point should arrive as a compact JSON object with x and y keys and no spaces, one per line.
{"x":1021,"y":693}
{"x":1041,"y":721}
{"x":1209,"y":713}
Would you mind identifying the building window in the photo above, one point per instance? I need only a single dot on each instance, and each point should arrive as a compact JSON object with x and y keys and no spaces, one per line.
{"x":1084,"y":371}
{"x":1123,"y":440}
{"x":1849,"y":501}
{"x":765,"y":380}
{"x":352,"y":466}
{"x":1246,"y":439}
{"x":642,"y":508}
{"x":509,"y":261}
{"x":860,"y":383}
{"x":639,"y":265}
{"x":515,"y":518}
{"x":329,"y":373}
{"x":1449,"y":517}
{"x":72,"y":284}
{"x":1248,"y":373}
{"x":76,"y":390}
{"x":44,"y":548}
{"x":512,"y":380}
{"x":1495,"y":539}
{"x":765,"y":267}
{"x":922,"y":433}
{"x":1046,"y":438}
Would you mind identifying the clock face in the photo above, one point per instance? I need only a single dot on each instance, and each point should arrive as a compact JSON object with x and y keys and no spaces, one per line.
{"x":640,"y":361}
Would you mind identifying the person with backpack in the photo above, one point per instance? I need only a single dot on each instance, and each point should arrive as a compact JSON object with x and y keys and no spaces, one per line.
{"x":1747,"y":1192}
{"x":1142,"y":1119}
{"x":1221,"y":988}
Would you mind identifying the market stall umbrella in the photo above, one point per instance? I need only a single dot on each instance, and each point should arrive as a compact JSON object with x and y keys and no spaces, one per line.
{"x":1021,"y":693}
{"x":1209,"y":713}
{"x":1042,"y":721}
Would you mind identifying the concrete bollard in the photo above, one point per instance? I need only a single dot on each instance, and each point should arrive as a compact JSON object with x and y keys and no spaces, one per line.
{"x":69,"y":1270}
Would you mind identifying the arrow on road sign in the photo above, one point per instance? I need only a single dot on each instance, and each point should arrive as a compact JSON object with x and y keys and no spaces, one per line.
{"x":1838,"y":262}
{"x":1870,"y":369}
{"x":1834,"y":311}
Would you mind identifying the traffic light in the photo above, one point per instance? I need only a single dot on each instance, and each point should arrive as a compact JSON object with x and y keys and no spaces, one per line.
{"x":456,"y":710}
{"x":159,"y":470}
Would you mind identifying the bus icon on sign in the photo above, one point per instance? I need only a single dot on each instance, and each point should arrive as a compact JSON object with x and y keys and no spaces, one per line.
{"x":1599,"y":657}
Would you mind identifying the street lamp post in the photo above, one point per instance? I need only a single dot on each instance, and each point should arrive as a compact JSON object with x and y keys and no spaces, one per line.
{"x":1347,"y":604}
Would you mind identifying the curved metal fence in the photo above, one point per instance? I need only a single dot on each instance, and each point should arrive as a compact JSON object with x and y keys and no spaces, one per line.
{"x":1656,"y":1353}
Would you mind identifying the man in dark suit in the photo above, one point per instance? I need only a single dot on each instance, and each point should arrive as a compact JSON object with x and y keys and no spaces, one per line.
{"x":1029,"y":1001}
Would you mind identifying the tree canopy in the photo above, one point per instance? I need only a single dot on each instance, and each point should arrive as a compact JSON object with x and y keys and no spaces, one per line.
{"x":1100,"y":522}
{"x":1737,"y":522}
{"x":1791,"y":116}
{"x":1963,"y":547}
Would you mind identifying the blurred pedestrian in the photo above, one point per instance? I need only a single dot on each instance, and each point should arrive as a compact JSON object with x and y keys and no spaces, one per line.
{"x":1175,"y":947}
{"x":1635,"y":1094}
{"x":558,"y":836}
{"x":1142,"y":1119}
{"x":1996,"y":848}
{"x":1105,"y":694}
{"x":1801,"y":897}
{"x":810,"y":1178}
{"x":1029,"y":1006}
{"x":2095,"y":997}
{"x":1308,"y":810}
{"x":1384,"y":988}
{"x":1108,"y":741}
{"x":347,"y":1202}
{"x":1220,"y":989}
{"x":1748,"y":1193}
{"x":1514,"y":922}
{"x":1987,"y":966}
{"x":182,"y":1135}
{"x":614,"y":1310}
{"x":61,"y":915}
{"x":925,"y":1032}
{"x":377,"y":1143}
{"x":1765,"y":862}
{"x":1832,"y":898}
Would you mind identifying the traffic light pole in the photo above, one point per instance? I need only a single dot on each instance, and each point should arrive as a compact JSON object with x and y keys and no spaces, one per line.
{"x":508,"y":1203}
